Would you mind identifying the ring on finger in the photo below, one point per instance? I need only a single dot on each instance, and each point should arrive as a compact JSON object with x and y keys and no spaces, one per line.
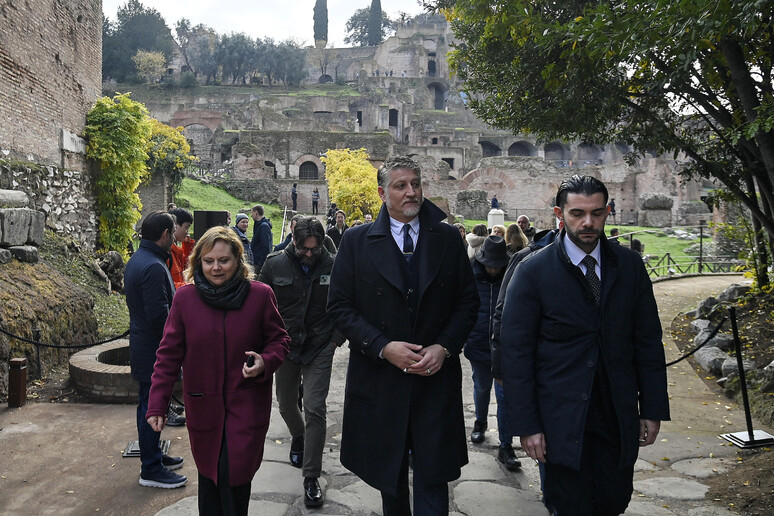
{"x":429,"y":370}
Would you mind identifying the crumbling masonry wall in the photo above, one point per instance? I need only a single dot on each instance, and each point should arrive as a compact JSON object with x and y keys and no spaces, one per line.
{"x":50,"y":76}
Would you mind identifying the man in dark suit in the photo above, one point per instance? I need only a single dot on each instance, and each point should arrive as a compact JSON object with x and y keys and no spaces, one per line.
{"x":582,"y":359}
{"x":402,"y":291}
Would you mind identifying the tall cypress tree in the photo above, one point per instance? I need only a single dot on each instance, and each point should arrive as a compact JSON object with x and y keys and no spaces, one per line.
{"x":375,"y":23}
{"x":321,"y":20}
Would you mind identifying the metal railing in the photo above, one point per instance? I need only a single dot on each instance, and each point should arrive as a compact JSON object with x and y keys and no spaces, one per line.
{"x":666,"y":265}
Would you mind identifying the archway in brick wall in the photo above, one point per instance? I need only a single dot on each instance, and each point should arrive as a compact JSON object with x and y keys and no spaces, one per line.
{"x":210,"y":119}
{"x":489,"y":173}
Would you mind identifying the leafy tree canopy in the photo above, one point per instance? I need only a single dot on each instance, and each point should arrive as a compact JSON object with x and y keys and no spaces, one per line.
{"x":352,"y":182}
{"x":168,"y":152}
{"x":151,"y":66}
{"x":137,"y":28}
{"x":691,"y":77}
{"x":357,"y":28}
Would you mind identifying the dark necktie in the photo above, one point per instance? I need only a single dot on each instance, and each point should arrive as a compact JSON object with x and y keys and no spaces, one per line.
{"x":591,"y":276}
{"x":408,"y":243}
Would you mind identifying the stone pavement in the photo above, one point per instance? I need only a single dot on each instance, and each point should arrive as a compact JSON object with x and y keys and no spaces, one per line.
{"x":66,"y":458}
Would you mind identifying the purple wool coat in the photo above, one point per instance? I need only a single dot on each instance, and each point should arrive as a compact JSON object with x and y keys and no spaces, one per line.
{"x":210,"y":346}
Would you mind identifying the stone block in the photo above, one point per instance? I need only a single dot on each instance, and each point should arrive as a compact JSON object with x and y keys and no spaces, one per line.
{"x":25,"y":253}
{"x":730,"y":366}
{"x":37,"y":227}
{"x":13,"y":199}
{"x":722,"y":341}
{"x":699,"y":325}
{"x":14,"y":226}
{"x":733,"y":292}
{"x":5,"y":256}
{"x":707,"y":306}
{"x":656,"y":218}
{"x":711,"y":359}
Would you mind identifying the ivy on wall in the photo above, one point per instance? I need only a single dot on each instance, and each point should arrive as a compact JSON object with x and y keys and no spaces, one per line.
{"x":129,"y":147}
{"x":118,"y":131}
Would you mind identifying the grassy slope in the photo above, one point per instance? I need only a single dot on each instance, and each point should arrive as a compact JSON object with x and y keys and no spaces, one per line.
{"x":194,"y":195}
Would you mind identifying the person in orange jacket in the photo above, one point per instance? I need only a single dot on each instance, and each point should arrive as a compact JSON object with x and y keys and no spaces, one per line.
{"x":180,"y":252}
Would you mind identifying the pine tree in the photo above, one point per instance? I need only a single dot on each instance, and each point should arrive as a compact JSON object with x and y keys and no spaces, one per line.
{"x":375,"y":23}
{"x":321,"y":21}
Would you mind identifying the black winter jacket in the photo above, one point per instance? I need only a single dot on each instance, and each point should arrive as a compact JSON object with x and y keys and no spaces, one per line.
{"x":302,"y":301}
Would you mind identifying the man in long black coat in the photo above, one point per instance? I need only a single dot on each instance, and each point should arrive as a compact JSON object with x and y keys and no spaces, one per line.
{"x":582,"y":358}
{"x":402,"y":292}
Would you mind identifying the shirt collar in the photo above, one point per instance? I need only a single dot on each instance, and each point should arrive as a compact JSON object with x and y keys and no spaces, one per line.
{"x":396,"y":226}
{"x":576,"y":254}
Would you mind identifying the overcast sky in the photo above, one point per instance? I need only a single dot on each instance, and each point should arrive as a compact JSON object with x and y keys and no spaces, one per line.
{"x":278,"y":19}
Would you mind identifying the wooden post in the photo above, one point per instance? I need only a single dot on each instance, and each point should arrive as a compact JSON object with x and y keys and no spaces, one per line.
{"x":17,"y":382}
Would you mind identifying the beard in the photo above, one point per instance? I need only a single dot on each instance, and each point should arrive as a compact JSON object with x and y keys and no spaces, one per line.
{"x":309,"y":261}
{"x":586,"y":239}
{"x":409,"y":211}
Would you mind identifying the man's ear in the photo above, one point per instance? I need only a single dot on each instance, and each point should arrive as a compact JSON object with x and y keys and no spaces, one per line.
{"x":558,"y":213}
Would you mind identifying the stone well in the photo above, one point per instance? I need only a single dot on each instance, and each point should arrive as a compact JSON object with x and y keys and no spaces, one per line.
{"x":103,"y":373}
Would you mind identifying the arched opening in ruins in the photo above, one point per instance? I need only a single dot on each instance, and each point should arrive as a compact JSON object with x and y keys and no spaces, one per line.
{"x":271,"y":167}
{"x":522,"y":148}
{"x":489,"y":149}
{"x":325,"y":79}
{"x":557,"y":152}
{"x":434,"y":141}
{"x":589,"y":154}
{"x":393,"y":121}
{"x":200,"y":138}
{"x":308,"y":170}
{"x":438,"y":93}
{"x":431,"y":68}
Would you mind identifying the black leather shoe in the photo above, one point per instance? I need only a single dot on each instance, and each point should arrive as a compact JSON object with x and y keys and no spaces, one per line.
{"x":313,"y":496}
{"x":507,"y":456}
{"x":175,"y":420}
{"x":477,"y":435}
{"x":297,"y":452}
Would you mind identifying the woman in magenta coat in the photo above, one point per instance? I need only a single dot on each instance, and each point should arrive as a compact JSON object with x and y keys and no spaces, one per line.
{"x":226,"y":333}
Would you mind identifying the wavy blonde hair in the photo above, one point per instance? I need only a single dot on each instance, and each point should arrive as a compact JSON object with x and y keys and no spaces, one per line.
{"x":516,"y":238}
{"x":205,"y":244}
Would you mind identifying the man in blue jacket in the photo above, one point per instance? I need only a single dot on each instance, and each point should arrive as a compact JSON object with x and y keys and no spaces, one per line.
{"x":149,"y":290}
{"x":582,"y":359}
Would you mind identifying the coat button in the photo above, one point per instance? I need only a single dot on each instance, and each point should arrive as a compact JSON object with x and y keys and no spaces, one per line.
{"x":584,"y":396}
{"x":366,"y":342}
{"x":378,"y":292}
{"x":590,"y":363}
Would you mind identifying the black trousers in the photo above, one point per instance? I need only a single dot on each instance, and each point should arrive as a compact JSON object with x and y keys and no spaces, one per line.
{"x":432,"y":500}
{"x":221,"y":499}
{"x":600,"y":488}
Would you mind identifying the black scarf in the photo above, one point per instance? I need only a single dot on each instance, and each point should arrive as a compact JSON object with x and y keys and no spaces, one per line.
{"x":229,"y":296}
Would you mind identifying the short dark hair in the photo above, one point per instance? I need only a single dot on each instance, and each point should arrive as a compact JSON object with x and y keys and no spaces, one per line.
{"x":396,"y":162}
{"x":308,"y":227}
{"x":259,"y":209}
{"x":586,"y":185}
{"x":154,"y":225}
{"x":181,"y":216}
{"x":614,"y":232}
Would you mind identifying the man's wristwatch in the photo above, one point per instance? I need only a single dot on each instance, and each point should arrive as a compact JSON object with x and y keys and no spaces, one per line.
{"x":446,"y":352}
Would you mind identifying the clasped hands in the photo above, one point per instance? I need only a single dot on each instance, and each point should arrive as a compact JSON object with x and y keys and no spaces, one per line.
{"x":413,"y":358}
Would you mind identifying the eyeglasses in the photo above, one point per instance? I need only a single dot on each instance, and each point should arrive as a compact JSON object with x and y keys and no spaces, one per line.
{"x":313,"y":250}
